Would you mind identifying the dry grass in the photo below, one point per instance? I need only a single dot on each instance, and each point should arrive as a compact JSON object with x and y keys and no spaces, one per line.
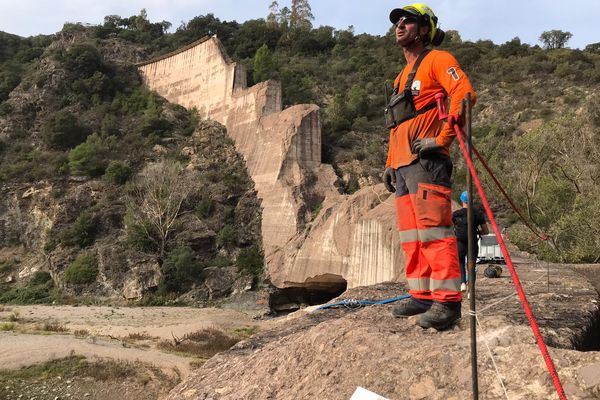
{"x":81,"y":333}
{"x":53,"y":327}
{"x":244,"y":332}
{"x":13,"y":317}
{"x":7,"y":326}
{"x":204,"y":343}
{"x":139,"y":336}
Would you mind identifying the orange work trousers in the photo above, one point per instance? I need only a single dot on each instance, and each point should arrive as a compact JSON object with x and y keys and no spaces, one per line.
{"x":424,"y":218}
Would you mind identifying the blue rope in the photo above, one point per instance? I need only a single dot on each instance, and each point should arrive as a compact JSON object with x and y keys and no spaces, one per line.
{"x":352,"y":303}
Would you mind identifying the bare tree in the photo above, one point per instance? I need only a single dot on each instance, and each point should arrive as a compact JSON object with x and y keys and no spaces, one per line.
{"x":160,"y":192}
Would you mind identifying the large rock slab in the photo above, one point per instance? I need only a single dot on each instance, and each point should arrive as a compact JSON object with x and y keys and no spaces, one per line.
{"x":327,"y":354}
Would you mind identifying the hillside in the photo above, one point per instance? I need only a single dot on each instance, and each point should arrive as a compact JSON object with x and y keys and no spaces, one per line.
{"x":80,"y":135}
{"x":108,"y":191}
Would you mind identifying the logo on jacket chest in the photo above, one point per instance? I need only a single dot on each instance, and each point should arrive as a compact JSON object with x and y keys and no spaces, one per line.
{"x":416,"y":88}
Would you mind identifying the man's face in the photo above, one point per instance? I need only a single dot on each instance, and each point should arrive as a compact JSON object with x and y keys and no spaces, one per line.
{"x":407,"y":30}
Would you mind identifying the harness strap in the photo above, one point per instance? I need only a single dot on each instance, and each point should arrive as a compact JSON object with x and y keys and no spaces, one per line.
{"x":412,"y":74}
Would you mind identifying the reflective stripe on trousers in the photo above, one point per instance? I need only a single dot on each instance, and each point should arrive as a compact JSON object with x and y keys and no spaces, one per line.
{"x":426,"y":234}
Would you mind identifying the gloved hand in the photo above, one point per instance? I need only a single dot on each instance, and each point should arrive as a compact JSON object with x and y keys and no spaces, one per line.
{"x":424,"y":146}
{"x":389,"y":178}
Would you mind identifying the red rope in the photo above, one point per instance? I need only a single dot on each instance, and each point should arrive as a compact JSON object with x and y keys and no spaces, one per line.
{"x":513,"y":272}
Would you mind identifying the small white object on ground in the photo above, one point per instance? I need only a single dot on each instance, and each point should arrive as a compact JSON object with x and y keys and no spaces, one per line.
{"x":364,"y":394}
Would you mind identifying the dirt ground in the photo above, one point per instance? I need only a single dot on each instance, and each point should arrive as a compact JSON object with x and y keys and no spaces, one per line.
{"x":126,"y":337}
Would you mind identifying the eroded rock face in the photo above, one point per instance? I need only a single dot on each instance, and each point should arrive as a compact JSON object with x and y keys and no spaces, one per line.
{"x":352,"y":237}
{"x":327,"y":354}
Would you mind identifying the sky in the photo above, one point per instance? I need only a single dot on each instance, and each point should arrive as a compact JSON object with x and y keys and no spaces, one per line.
{"x":496,"y":20}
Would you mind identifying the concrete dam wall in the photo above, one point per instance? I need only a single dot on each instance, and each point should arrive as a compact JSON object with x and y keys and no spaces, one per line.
{"x":282,"y":149}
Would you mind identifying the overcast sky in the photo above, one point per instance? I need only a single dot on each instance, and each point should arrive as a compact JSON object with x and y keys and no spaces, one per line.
{"x":497,"y":20}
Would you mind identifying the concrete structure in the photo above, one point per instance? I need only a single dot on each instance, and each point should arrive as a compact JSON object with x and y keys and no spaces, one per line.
{"x":282,"y":149}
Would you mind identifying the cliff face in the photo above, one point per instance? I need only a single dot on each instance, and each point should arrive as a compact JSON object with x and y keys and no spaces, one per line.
{"x":351,"y":239}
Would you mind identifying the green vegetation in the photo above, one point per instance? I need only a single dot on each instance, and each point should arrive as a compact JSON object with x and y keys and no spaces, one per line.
{"x":251,"y":260}
{"x":82,"y":271}
{"x":73,"y":367}
{"x":179,"y":270}
{"x":118,"y":172}
{"x":8,"y":265}
{"x":40,"y":289}
{"x":88,"y":158}
{"x":82,"y":232}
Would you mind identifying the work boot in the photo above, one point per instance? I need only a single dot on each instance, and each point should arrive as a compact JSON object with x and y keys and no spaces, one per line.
{"x":411,"y":306}
{"x":440,"y":316}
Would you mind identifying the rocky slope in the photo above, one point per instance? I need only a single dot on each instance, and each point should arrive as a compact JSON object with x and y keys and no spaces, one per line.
{"x":327,"y":354}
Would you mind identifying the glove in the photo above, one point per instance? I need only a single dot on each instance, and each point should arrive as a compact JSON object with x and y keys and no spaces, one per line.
{"x":389,"y":178}
{"x":425,"y":146}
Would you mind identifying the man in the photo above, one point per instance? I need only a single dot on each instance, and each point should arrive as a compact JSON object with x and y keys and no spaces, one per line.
{"x":459,"y":219}
{"x":419,"y":166}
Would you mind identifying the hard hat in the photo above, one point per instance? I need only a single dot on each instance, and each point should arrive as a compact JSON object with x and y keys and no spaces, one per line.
{"x":464,"y":197}
{"x":425,"y":15}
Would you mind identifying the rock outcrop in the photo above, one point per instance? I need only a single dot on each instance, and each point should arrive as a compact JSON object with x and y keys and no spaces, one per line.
{"x":327,"y":354}
{"x":352,"y":238}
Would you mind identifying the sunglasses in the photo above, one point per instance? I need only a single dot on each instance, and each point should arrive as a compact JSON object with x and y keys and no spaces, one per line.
{"x":406,"y":21}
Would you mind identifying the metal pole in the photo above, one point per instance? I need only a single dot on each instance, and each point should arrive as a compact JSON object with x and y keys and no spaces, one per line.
{"x":548,"y":274}
{"x":470,"y":254}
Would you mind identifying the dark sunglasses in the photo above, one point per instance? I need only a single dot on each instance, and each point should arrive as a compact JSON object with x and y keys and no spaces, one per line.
{"x":407,"y":20}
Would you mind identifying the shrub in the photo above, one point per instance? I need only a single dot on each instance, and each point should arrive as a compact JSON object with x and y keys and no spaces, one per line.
{"x":117,"y":172}
{"x":83,"y":59}
{"x":205,"y":207}
{"x":82,"y":271}
{"x":88,"y":158}
{"x":33,"y":293}
{"x":140,"y":234}
{"x":83,"y":231}
{"x":251,"y":260}
{"x":40,"y":278}
{"x":62,"y":131}
{"x":227,"y":236}
{"x":179,"y":268}
{"x":204,"y":343}
{"x":7,"y":265}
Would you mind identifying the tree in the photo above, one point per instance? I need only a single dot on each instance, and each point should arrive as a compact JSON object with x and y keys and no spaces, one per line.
{"x":274,"y":12}
{"x":160,"y":193}
{"x":555,"y":39}
{"x":284,"y":17}
{"x":263,"y":64}
{"x":301,"y":16}
{"x":593,"y":48}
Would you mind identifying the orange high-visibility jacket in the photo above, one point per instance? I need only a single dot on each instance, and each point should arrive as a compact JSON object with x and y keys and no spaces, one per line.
{"x":439,"y":72}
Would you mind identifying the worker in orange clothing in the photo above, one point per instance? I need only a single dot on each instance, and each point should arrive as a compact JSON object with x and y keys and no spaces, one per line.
{"x":419,"y":168}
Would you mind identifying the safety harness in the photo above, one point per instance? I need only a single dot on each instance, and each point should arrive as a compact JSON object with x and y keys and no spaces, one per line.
{"x":401,"y":106}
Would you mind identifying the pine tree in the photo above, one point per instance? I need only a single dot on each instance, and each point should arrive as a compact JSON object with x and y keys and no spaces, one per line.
{"x":263,"y":64}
